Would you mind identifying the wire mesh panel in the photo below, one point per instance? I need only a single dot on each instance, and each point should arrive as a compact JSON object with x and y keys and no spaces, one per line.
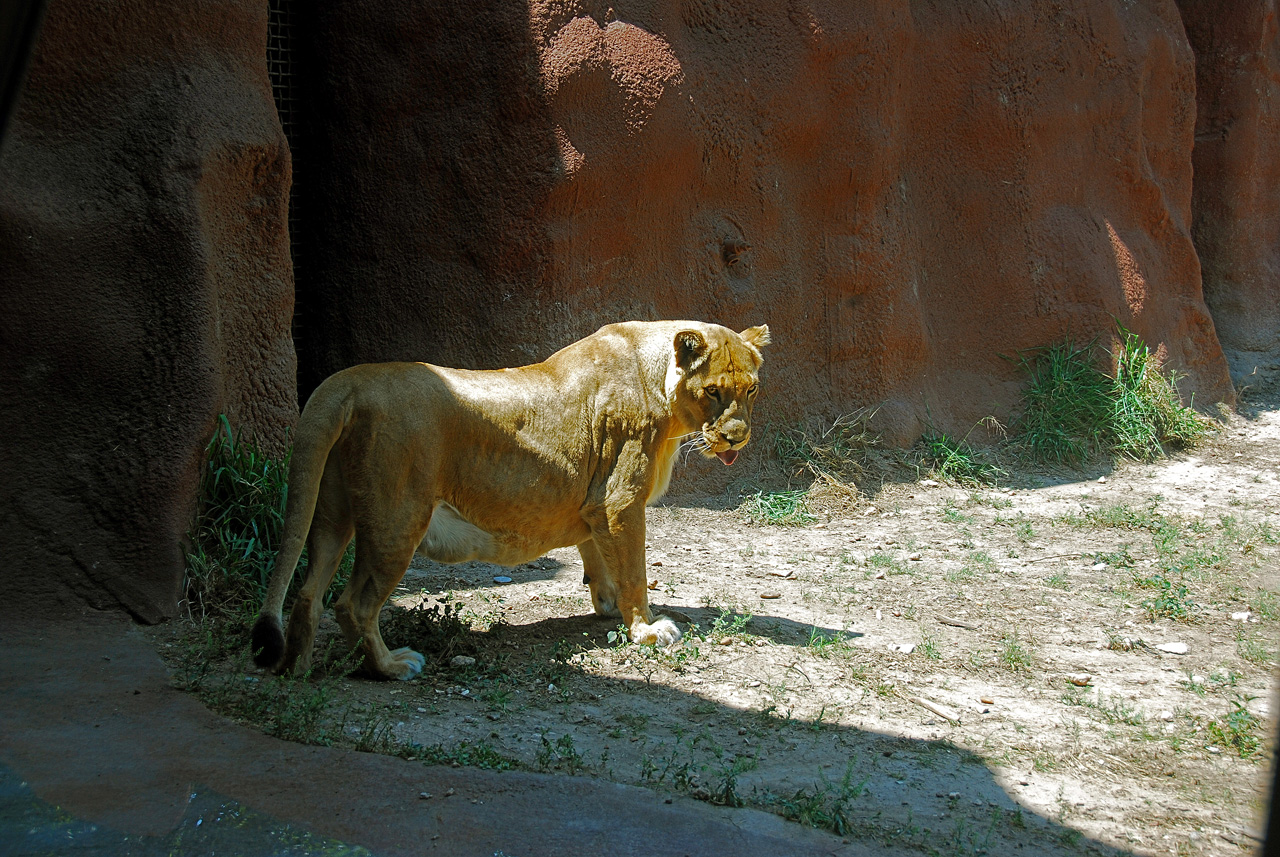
{"x":282,"y":23}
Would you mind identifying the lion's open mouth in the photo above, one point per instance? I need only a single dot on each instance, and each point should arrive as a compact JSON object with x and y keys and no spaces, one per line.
{"x":729,"y":456}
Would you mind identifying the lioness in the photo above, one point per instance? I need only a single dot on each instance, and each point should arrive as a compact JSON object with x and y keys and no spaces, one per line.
{"x":500,"y":466}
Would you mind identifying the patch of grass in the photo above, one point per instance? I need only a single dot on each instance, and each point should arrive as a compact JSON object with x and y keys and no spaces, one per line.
{"x":237,"y":529}
{"x":481,"y":754}
{"x":1147,"y":413}
{"x":956,"y":461}
{"x":296,"y":708}
{"x":828,"y":645}
{"x":1111,"y":709}
{"x":1057,"y":580}
{"x":887,"y":563}
{"x":1266,"y":604}
{"x":1067,"y":400}
{"x":1254,"y":650}
{"x":779,"y":508}
{"x":1073,"y":409}
{"x":725,"y":790}
{"x":930,"y":645}
{"x":238,"y":525}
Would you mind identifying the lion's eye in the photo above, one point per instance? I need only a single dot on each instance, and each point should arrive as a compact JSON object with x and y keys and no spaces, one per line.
{"x":713,"y":392}
{"x":755,"y":388}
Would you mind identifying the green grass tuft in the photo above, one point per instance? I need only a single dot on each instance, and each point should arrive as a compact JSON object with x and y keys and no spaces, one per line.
{"x":780,"y":508}
{"x":238,"y":527}
{"x":1075,"y":410}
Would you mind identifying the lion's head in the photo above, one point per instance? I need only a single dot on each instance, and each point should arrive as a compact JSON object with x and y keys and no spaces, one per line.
{"x":718,"y":382}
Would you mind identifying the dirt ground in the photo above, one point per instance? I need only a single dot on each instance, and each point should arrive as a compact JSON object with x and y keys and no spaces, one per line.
{"x":1067,"y":662}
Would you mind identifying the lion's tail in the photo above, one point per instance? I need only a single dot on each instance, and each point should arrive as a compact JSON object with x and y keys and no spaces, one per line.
{"x":319,"y":428}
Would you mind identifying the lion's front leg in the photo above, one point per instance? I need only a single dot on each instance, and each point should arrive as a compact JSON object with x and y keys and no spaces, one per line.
{"x":614,"y":564}
{"x":596,"y":575}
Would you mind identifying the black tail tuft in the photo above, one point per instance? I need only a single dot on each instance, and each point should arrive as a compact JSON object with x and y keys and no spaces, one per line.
{"x":267,"y":641}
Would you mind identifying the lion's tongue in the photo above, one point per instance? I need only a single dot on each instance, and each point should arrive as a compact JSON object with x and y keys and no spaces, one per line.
{"x":729,"y":456}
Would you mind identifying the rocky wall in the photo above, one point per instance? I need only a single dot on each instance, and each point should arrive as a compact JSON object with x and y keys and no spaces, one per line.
{"x":1236,"y":209}
{"x":906,"y":192}
{"x":145,"y":287}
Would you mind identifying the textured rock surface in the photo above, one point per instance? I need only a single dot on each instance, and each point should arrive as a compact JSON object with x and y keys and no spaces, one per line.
{"x":1237,"y":166}
{"x":903,"y":191}
{"x":146,"y":288}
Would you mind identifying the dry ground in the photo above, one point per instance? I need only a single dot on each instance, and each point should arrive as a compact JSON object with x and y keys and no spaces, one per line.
{"x":928,"y":666}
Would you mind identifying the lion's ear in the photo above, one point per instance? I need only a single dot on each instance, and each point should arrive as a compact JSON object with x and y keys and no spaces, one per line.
{"x":757,"y":336}
{"x":691,"y":348}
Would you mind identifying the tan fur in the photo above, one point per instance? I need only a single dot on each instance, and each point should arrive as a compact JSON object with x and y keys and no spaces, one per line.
{"x":500,"y":466}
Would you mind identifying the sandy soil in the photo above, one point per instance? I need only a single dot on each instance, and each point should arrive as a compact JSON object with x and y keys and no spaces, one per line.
{"x":929,"y":666}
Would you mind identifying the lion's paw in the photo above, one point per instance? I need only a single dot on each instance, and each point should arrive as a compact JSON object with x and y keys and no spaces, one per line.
{"x":406,"y":663}
{"x":663,"y":632}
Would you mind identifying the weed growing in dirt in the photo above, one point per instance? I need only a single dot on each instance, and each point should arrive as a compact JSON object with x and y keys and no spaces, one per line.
{"x":779,"y":509}
{"x":826,"y":805}
{"x":559,"y":755}
{"x":435,"y":628}
{"x":1239,"y":729}
{"x":1170,"y":600}
{"x":1014,"y":654}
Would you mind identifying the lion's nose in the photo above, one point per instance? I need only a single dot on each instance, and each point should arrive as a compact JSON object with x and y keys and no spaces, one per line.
{"x":736,"y":433}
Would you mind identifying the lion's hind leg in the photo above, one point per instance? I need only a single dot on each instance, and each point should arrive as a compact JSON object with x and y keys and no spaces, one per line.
{"x":378,"y":571}
{"x":326,"y":544}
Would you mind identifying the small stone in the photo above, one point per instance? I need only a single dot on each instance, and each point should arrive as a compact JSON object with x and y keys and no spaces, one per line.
{"x":879,"y":575}
{"x":461,"y":661}
{"x":1174,"y":648}
{"x":770,"y":595}
{"x":915,"y":557}
{"x":1166,"y":715}
{"x":657,"y":563}
{"x":1241,"y":617}
{"x":1102,"y":480}
{"x":986,"y":700}
{"x":1080,"y":679}
{"x":1099,"y":566}
{"x":929,"y":483}
{"x":502,"y":578}
{"x":905,"y":648}
{"x":424,"y":795}
{"x":449,"y":792}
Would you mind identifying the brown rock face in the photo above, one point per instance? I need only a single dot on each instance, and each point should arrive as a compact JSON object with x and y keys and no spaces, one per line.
{"x":1237,"y":167}
{"x":903,"y":191}
{"x":146,"y":288}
